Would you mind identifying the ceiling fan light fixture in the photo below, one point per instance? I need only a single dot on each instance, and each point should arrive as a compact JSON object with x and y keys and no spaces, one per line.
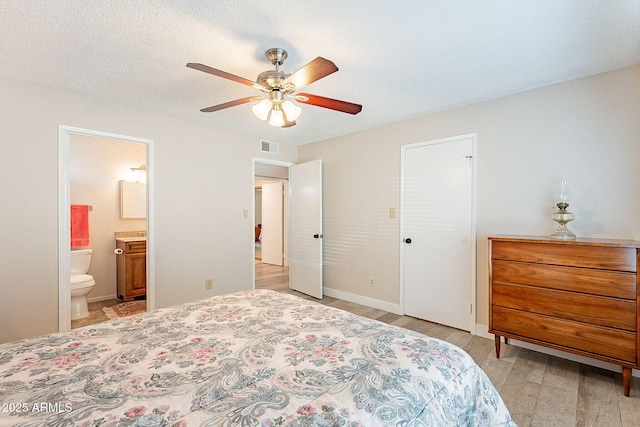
{"x":276,"y":118}
{"x":275,"y":85}
{"x":262,"y":109}
{"x":291,"y":110}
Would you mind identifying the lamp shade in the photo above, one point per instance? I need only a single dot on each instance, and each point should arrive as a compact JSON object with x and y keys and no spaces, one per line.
{"x":276,"y":118}
{"x":261,"y":109}
{"x":291,"y":110}
{"x":565,"y":193}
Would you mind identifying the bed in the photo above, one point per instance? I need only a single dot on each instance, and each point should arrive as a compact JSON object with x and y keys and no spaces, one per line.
{"x":251,"y":358}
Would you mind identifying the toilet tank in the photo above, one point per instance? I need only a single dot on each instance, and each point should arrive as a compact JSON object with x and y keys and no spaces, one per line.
{"x":80,"y":260}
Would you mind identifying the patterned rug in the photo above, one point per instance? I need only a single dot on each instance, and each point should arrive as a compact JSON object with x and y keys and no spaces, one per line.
{"x":125,"y":309}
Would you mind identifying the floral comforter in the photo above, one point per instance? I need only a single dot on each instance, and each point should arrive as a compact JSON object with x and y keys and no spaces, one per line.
{"x":253,"y":358}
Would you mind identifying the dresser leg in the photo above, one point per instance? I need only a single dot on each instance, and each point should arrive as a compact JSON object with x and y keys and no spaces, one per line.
{"x":497,"y":339}
{"x":626,"y":381}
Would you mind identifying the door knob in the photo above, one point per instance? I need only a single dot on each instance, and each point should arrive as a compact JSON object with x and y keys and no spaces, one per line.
{"x":407,"y":240}
{"x":317,"y":236}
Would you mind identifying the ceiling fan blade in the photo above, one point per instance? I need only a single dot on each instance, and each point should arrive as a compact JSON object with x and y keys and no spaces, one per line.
{"x":332,"y":104}
{"x":287,"y":123}
{"x":224,"y":75}
{"x":230,"y":104}
{"x":313,"y":71}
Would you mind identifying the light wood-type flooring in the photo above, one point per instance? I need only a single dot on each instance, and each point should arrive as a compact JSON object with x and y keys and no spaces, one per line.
{"x":538,"y":389}
{"x":96,"y":314}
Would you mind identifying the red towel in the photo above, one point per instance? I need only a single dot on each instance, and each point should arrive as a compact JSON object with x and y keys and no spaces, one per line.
{"x":79,"y":225}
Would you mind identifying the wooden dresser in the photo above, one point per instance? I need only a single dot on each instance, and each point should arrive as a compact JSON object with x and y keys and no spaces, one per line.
{"x":576,"y":296}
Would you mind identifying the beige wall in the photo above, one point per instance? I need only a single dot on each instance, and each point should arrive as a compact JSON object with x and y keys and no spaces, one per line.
{"x":585,"y":131}
{"x":202,"y":177}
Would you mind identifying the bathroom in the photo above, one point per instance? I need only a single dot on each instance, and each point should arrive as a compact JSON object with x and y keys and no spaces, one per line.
{"x":96,"y":167}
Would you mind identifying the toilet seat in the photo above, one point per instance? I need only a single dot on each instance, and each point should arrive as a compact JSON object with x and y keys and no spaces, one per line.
{"x":82,"y":281}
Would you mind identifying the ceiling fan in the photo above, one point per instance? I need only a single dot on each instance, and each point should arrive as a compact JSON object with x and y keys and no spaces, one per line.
{"x":280,"y":88}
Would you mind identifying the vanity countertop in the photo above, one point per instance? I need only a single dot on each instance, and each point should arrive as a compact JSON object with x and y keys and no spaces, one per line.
{"x":131,"y":239}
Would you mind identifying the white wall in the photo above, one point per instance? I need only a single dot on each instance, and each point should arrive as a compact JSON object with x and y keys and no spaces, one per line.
{"x":96,"y":167}
{"x":202,"y":177}
{"x":586,"y":131}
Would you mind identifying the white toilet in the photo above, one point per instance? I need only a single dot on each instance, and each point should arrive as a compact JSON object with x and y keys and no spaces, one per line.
{"x":81,"y":283}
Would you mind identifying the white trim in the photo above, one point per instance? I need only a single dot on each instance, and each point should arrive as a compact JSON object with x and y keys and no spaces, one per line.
{"x":474,"y":218}
{"x":64,"y":292}
{"x":287,"y":165}
{"x":483,"y":331}
{"x":102,"y":298}
{"x":64,"y":234}
{"x":474,"y":230}
{"x":362,"y":300}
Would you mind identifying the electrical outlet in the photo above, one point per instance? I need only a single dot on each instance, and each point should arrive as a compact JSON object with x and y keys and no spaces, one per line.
{"x":372,"y":281}
{"x":208,"y":284}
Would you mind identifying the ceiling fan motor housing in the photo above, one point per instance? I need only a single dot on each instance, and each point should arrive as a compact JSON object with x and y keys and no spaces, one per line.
{"x":272,"y":78}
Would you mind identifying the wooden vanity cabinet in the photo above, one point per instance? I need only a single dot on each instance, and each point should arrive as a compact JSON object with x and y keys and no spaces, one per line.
{"x":576,"y":296}
{"x":131,"y":268}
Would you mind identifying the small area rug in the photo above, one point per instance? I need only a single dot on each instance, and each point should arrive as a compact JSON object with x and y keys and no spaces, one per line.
{"x":125,"y":309}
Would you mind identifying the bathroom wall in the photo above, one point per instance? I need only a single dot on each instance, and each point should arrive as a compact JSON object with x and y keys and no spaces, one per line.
{"x":96,"y":167}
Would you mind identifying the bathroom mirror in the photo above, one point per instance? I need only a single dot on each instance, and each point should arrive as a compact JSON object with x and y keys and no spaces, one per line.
{"x":133,"y":200}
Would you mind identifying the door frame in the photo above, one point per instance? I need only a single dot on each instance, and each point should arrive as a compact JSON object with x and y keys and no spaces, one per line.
{"x":474,"y":213}
{"x":287,"y":165}
{"x":64,"y":276}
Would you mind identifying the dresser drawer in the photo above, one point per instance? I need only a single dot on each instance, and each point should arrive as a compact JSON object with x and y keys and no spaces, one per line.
{"x":597,"y":340}
{"x":602,"y":311}
{"x":574,"y":255}
{"x":596,"y":282}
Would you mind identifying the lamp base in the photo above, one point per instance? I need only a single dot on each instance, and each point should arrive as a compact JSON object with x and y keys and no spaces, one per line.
{"x":562,"y":217}
{"x":563,"y":233}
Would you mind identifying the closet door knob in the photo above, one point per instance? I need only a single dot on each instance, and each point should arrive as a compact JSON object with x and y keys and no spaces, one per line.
{"x":318,"y":236}
{"x":407,"y":240}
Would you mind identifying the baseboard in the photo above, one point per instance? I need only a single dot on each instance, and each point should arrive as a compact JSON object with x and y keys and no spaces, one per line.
{"x":483,"y":331}
{"x":359,"y":299}
{"x":102,"y":298}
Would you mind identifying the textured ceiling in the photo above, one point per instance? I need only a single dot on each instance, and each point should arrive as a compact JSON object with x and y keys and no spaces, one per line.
{"x":398,"y":59}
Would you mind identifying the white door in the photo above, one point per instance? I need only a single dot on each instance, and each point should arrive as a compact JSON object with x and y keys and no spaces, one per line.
{"x":438,"y":240}
{"x":272,"y":223}
{"x":305,"y":219}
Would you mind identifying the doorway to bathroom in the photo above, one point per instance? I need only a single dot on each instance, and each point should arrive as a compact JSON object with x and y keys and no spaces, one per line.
{"x":110,"y":175}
